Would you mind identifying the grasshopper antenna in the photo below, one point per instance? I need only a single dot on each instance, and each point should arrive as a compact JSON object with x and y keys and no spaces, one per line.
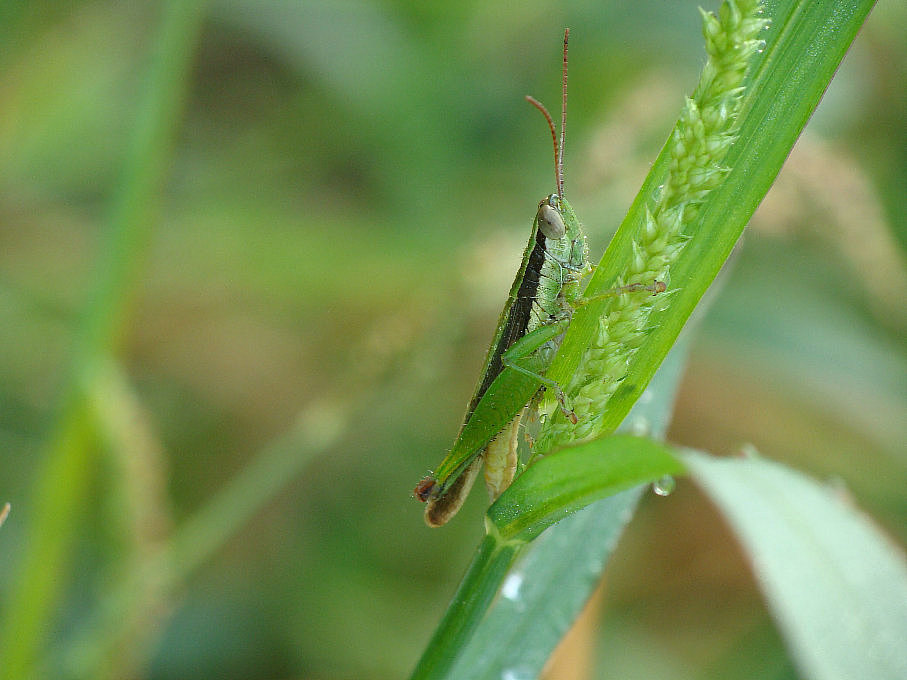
{"x":559,"y":183}
{"x":560,"y":156}
{"x":558,"y":147}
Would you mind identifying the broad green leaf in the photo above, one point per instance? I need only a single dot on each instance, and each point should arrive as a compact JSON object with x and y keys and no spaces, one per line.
{"x":835,"y":584}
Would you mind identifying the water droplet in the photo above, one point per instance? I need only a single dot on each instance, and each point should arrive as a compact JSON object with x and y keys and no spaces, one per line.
{"x":512,"y":586}
{"x":664,"y":486}
{"x":517,"y":674}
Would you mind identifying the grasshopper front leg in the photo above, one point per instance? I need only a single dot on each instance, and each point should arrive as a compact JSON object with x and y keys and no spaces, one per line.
{"x":527,"y":356}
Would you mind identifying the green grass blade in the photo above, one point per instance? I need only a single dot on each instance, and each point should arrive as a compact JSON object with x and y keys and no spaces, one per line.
{"x":804,"y":46}
{"x":478,"y":587}
{"x":555,"y":589}
{"x":62,"y":483}
{"x":542,"y":595}
{"x":120,"y":622}
{"x":565,"y":481}
{"x":803,"y":49}
{"x":545,"y":586}
{"x":836,"y":586}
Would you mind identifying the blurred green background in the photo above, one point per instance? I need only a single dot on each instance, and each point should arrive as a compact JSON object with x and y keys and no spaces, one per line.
{"x":348,"y":194}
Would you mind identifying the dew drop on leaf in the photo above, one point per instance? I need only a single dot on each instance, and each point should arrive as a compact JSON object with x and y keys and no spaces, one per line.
{"x":664,"y":486}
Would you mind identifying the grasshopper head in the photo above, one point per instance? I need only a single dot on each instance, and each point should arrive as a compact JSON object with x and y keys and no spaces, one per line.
{"x":566,"y":240}
{"x":549,"y":218}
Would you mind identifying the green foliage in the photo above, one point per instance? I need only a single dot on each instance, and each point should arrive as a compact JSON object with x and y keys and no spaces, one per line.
{"x":297,"y":267}
{"x":835,"y":585}
{"x":754,"y":160}
{"x":572,"y":478}
{"x":63,"y":482}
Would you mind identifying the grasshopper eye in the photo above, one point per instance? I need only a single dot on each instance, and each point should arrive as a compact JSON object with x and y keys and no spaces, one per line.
{"x":550,"y":221}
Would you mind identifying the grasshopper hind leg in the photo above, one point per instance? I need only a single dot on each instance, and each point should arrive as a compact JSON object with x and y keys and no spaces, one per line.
{"x":502,"y":458}
{"x":439,"y":509}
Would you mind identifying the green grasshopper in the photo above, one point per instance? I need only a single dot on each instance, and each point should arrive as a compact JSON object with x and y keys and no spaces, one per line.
{"x":535,"y":316}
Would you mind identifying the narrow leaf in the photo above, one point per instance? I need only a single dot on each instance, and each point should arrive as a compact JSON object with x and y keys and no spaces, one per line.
{"x":835,"y":584}
{"x":542,"y":596}
{"x":572,"y":478}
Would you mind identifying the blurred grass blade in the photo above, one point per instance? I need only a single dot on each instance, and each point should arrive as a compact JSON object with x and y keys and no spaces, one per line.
{"x":836,"y":586}
{"x":139,"y":514}
{"x":61,"y":485}
{"x":120,"y":634}
{"x":565,"y":481}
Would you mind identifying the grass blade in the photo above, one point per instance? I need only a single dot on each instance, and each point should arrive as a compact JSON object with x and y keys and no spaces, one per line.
{"x":62,"y":483}
{"x":835,"y":585}
{"x":804,"y":46}
{"x":803,"y":49}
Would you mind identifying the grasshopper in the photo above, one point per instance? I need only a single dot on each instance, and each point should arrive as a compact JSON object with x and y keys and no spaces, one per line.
{"x":537,"y":312}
